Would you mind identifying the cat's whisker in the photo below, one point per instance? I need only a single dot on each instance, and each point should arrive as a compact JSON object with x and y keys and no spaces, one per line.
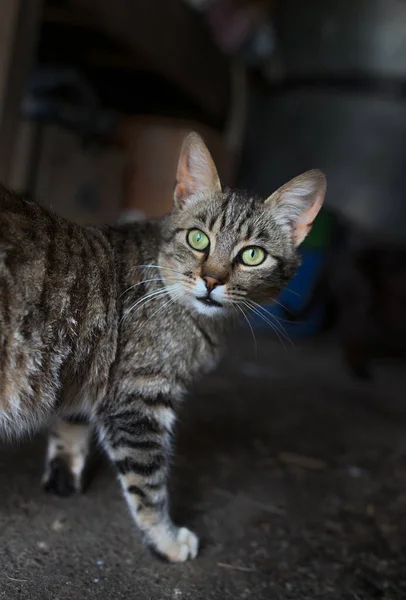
{"x":287,"y":337}
{"x":171,"y":301}
{"x":146,"y":297}
{"x":249,"y":325}
{"x":160,"y":292}
{"x":268,"y":322}
{"x":137,"y":284}
{"x":159,"y":267}
{"x":149,"y":300}
{"x":293,"y":292}
{"x":281,"y":305}
{"x":277,"y":319}
{"x":276,"y":325}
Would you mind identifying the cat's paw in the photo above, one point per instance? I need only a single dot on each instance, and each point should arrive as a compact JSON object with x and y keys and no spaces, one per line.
{"x":59,"y":480}
{"x":181,"y":545}
{"x":188,"y":544}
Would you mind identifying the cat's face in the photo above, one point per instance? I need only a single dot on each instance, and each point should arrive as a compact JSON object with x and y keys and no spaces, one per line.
{"x":225,"y":251}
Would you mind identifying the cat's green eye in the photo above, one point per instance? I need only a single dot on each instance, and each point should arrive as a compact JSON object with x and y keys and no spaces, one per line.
{"x":253,"y":256}
{"x":198,"y":240}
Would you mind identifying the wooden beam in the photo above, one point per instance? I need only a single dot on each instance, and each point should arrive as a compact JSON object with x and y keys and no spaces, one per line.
{"x":172,"y":39}
{"x":19,"y":25}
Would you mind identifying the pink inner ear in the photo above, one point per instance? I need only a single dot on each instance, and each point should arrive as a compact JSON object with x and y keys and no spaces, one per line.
{"x":180,"y":193}
{"x":186,"y":184}
{"x":196,"y":170}
{"x":305,"y":222}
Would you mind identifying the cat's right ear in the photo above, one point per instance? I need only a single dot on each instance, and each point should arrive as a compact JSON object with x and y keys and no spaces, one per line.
{"x":196,"y":173}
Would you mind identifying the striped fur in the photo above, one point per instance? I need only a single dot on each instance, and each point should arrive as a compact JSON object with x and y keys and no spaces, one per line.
{"x":103,"y":328}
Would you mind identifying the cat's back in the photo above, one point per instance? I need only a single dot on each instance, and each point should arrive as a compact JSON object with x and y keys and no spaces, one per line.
{"x":57,"y":307}
{"x":34,"y":247}
{"x":38,"y":245}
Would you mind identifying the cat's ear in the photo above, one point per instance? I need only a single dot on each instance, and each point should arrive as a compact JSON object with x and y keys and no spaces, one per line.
{"x":296,"y":204}
{"x":196,"y":171}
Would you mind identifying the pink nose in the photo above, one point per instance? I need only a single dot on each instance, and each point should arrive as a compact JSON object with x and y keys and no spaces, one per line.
{"x":211,"y":282}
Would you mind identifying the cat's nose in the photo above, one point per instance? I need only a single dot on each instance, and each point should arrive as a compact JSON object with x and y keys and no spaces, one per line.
{"x":211,"y":282}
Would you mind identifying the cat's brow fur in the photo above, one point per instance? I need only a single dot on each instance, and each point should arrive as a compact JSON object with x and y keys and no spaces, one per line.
{"x":104,"y":325}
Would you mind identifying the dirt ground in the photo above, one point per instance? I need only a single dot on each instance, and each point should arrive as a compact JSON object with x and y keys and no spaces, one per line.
{"x":293,"y":474}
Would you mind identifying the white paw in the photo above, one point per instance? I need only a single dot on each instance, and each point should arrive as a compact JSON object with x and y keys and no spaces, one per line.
{"x":189,"y":544}
{"x":177,"y":546}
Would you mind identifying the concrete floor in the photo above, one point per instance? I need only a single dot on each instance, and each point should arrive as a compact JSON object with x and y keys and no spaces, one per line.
{"x":293,"y":475}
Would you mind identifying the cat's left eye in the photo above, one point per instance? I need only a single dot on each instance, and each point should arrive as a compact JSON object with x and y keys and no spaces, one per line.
{"x":253,"y":256}
{"x":198,"y":240}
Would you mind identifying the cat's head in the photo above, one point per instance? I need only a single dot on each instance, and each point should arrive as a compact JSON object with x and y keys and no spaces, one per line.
{"x":224,"y":248}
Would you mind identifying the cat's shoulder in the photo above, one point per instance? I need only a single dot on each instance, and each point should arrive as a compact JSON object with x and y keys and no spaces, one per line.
{"x":18,"y":210}
{"x":25,"y":226}
{"x":12,"y":203}
{"x":15,"y":213}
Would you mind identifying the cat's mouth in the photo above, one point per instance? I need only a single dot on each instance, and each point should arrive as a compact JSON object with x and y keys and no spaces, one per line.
{"x":208,"y":301}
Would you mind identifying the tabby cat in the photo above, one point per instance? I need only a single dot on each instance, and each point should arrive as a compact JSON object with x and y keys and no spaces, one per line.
{"x":113,"y":324}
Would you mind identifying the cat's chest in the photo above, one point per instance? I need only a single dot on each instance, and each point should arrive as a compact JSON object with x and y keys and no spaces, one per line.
{"x":194,"y":352}
{"x":177,"y":349}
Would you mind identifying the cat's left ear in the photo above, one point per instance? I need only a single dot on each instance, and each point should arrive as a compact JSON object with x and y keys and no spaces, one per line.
{"x":196,"y":171}
{"x":296,"y":204}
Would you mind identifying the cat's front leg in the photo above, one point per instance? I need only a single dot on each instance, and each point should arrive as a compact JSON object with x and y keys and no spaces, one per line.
{"x":137,"y":437}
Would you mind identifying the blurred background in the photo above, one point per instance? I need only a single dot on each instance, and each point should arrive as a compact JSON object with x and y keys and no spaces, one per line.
{"x":95,"y":99}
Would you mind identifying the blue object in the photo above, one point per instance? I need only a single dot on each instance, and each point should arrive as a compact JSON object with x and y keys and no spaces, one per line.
{"x":296,"y":296}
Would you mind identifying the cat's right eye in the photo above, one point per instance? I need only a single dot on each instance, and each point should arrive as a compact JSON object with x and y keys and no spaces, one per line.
{"x":198,"y":240}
